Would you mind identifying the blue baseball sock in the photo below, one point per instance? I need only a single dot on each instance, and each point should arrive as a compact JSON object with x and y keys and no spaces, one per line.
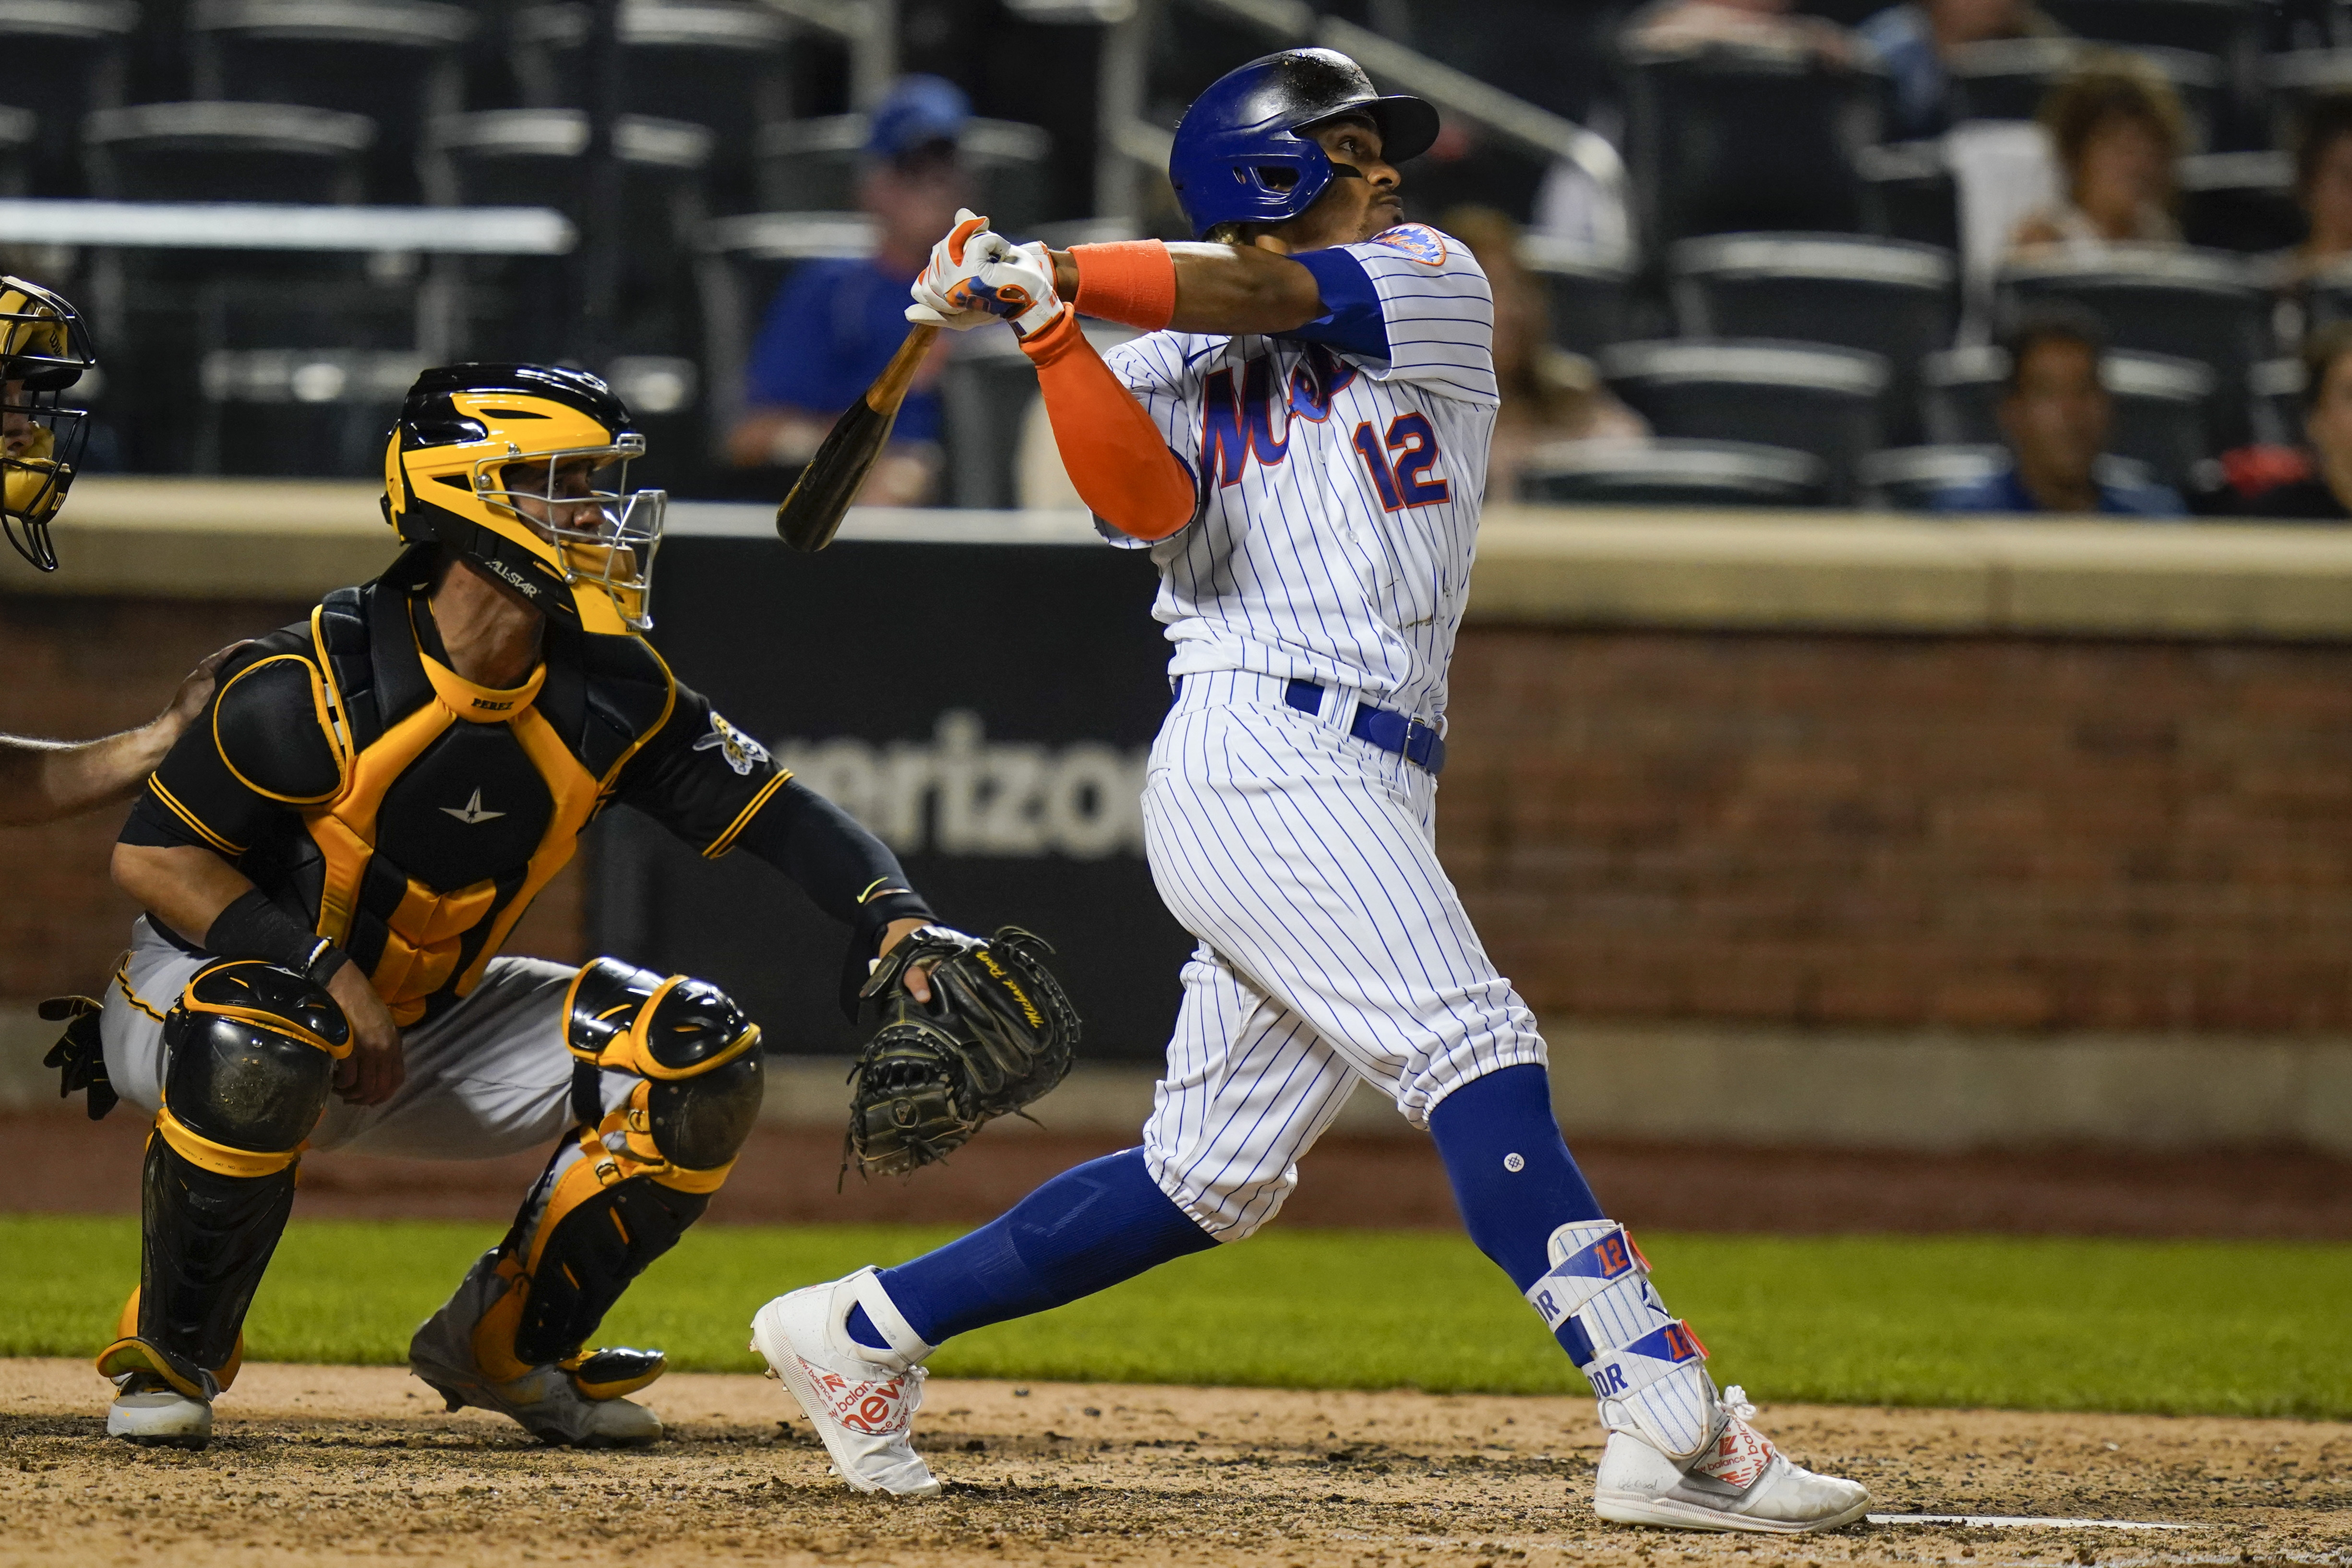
{"x":1086,"y":1230}
{"x":1513,"y":1178}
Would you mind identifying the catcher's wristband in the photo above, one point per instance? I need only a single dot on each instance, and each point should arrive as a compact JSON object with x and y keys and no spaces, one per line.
{"x":1132,"y":282}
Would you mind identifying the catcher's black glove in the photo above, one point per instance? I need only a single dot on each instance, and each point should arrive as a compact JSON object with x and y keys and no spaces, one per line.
{"x":998,"y":1032}
{"x":78,"y":1058}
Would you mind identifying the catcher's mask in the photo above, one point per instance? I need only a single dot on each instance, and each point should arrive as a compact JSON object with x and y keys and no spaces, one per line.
{"x":43,"y":348}
{"x":524,"y":469}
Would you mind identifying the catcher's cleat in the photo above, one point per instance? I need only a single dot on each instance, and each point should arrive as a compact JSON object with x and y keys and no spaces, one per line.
{"x":1738,"y":1482}
{"x":151,"y":1413}
{"x":566,"y":1404}
{"x":861,"y":1401}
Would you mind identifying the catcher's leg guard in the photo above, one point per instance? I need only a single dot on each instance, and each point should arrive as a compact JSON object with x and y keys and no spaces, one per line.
{"x":609,"y":1204}
{"x":251,"y":1055}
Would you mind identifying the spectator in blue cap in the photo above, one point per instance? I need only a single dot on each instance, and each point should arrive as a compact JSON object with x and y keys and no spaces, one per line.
{"x":837,"y":322}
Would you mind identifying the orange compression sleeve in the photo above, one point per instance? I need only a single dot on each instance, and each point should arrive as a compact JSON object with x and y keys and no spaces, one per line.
{"x":1131,"y":282}
{"x":1114,"y":454}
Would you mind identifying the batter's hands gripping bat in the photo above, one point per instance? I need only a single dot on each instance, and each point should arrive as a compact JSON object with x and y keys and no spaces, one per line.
{"x":820,"y":498}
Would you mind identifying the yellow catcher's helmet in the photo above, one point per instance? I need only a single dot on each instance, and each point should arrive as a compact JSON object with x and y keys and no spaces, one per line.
{"x":43,"y":348}
{"x":524,"y":469}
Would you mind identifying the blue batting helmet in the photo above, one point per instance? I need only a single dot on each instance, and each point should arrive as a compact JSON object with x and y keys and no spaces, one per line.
{"x":1238,"y":156}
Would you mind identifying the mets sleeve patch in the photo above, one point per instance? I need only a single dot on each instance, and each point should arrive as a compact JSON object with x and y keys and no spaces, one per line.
{"x":1419,"y":241}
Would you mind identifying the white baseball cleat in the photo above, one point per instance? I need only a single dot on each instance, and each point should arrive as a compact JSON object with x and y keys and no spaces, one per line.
{"x":861,"y":1401}
{"x":1737,"y":1481}
{"x":151,"y":1412}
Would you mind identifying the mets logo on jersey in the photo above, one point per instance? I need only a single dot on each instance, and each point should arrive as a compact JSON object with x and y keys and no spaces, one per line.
{"x":742,"y":753}
{"x":1419,"y":241}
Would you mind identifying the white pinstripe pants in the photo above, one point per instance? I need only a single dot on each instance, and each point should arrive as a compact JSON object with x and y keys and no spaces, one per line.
{"x":1333,"y":948}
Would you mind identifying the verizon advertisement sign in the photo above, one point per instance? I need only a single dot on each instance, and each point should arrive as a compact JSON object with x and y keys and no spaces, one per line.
{"x":985,"y":709}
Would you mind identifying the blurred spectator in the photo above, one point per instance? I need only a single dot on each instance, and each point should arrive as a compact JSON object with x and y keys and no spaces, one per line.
{"x":2323,"y":186}
{"x":1681,"y":25}
{"x":2054,"y":417}
{"x":1548,"y":394}
{"x":2325,"y":495}
{"x":1916,"y":42}
{"x":837,"y":322}
{"x":2118,"y":129}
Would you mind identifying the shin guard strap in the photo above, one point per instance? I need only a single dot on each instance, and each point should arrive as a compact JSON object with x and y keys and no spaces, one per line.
{"x":1572,"y":1284}
{"x":219,"y":1158}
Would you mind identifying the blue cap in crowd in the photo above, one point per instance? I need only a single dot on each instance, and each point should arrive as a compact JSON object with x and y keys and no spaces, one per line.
{"x":918,"y":111}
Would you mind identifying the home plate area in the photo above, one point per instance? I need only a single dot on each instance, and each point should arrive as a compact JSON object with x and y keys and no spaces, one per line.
{"x":318,"y":1465}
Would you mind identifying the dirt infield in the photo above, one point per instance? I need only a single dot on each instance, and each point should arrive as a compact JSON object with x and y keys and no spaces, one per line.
{"x":319,"y":1465}
{"x":63,"y":1163}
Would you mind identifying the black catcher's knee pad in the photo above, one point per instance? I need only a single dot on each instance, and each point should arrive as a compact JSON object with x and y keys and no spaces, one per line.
{"x":249,"y":1054}
{"x":695,"y":1048}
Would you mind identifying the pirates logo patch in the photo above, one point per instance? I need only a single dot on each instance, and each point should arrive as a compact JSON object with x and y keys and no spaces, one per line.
{"x":1419,"y":241}
{"x":742,"y":753}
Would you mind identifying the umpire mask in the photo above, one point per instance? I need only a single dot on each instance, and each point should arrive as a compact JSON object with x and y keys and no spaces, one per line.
{"x":43,"y":348}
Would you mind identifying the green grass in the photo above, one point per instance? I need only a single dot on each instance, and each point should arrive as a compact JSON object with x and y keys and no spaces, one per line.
{"x":2173,"y":1327}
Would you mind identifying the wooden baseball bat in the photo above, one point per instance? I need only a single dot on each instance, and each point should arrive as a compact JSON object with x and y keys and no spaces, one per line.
{"x":820,"y":499}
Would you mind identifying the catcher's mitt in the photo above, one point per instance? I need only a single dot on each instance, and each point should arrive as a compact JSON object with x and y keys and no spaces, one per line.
{"x":998,"y":1032}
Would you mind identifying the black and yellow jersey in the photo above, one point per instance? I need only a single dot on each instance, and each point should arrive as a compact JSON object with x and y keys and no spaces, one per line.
{"x":410,"y":816}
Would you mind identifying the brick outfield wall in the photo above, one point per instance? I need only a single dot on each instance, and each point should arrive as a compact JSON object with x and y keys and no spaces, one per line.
{"x":1780,"y":828}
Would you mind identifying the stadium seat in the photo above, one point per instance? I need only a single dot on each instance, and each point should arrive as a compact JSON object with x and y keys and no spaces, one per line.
{"x":537,"y":157}
{"x":812,"y":165}
{"x":2274,"y":389}
{"x":1591,"y":294}
{"x":1896,"y":300}
{"x":397,"y":63}
{"x":2198,"y":305}
{"x":2297,"y":77}
{"x":1808,"y":398}
{"x":2163,"y":406}
{"x":65,"y":58}
{"x":2217,"y":28}
{"x":1673,"y":473}
{"x":1908,"y":193}
{"x":719,"y":64}
{"x":1700,"y":165}
{"x":1909,"y":479}
{"x":305,"y":412}
{"x":2242,"y":202}
{"x":19,"y":129}
{"x":216,"y":151}
{"x":2007,"y":78}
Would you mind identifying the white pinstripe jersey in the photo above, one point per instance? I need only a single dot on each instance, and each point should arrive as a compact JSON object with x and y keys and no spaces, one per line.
{"x":1342,"y":470}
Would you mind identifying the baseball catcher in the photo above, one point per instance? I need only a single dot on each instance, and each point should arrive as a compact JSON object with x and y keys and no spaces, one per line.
{"x":45,"y":349}
{"x":329,"y":862}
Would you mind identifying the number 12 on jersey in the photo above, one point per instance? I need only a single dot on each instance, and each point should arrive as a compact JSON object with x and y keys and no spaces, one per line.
{"x":1406,"y":481}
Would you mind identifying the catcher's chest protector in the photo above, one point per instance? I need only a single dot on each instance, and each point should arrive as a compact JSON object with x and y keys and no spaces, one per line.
{"x":453,"y":803}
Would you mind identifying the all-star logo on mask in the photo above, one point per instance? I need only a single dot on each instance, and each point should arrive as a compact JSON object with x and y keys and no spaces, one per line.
{"x":471,"y":812}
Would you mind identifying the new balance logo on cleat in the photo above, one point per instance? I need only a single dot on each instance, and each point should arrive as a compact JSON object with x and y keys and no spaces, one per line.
{"x":1742,"y":1454}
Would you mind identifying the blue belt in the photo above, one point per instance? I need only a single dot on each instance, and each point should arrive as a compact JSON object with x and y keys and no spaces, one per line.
{"x":1408,"y":737}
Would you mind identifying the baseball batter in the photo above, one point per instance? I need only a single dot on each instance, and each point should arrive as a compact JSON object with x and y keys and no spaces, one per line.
{"x":328,"y":863}
{"x":1300,"y":439}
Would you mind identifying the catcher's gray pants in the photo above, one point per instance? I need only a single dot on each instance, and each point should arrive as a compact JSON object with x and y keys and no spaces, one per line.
{"x":488,"y":1077}
{"x":1333,"y":948}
